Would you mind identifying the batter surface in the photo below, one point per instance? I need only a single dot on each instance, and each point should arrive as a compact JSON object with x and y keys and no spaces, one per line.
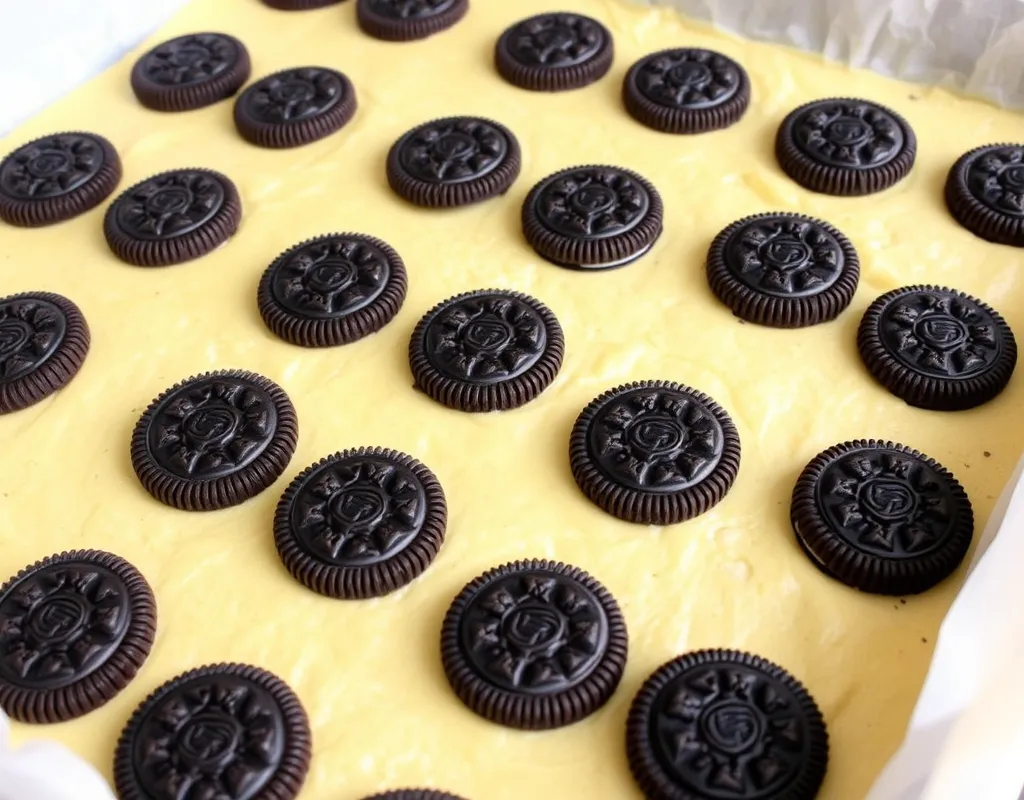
{"x":369,"y":673}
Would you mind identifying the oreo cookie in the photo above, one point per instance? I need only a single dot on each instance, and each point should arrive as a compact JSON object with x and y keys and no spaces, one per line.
{"x":227,"y":730}
{"x":414,"y":794}
{"x":686,"y":90}
{"x":783,"y":270}
{"x":299,"y":5}
{"x":56,"y":178}
{"x":554,"y":52}
{"x":454,"y":161}
{"x":407,"y":20}
{"x":214,"y":440}
{"x":592,"y":217}
{"x":654,"y":452}
{"x":360,"y":523}
{"x":845,"y":146}
{"x":295,"y":107}
{"x":488,"y":350}
{"x":534,"y":645}
{"x":75,"y":628}
{"x":727,"y":725}
{"x":44,"y":340}
{"x":937,"y":348}
{"x":190,"y":72}
{"x":881,"y":517}
{"x":173,"y":217}
{"x":332,"y":290}
{"x":985,"y":193}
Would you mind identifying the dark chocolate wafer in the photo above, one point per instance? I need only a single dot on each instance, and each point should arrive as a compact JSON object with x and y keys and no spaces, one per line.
{"x":75,"y":628}
{"x":295,"y":107}
{"x":414,"y":794}
{"x":407,"y":20}
{"x":44,"y":340}
{"x":686,"y":90}
{"x":214,"y":440}
{"x":57,"y":177}
{"x":190,"y":72}
{"x":985,"y":193}
{"x":534,"y":645}
{"x":881,"y":517}
{"x":783,"y":270}
{"x":361,"y":523}
{"x":654,"y":452}
{"x":173,"y":217}
{"x":845,"y":146}
{"x":488,"y":350}
{"x":223,"y":731}
{"x":554,"y":52}
{"x":299,"y":5}
{"x":937,"y":348}
{"x":332,"y":290}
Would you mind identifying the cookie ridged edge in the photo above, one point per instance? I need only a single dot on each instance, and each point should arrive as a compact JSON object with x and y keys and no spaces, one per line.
{"x":391,"y":30}
{"x":975,"y":216}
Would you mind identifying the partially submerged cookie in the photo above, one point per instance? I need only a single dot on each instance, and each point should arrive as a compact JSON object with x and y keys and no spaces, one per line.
{"x":937,"y":348}
{"x":295,"y":107}
{"x":173,"y":217}
{"x":592,"y":217}
{"x":881,"y":517}
{"x":406,"y":20}
{"x":845,"y":146}
{"x":299,"y":5}
{"x":360,"y":523}
{"x":332,"y":290}
{"x":214,"y":440}
{"x":488,"y":350}
{"x":191,"y":71}
{"x":783,"y":270}
{"x":414,"y":794}
{"x":654,"y":452}
{"x":554,"y":52}
{"x":725,"y":725}
{"x":454,"y":161}
{"x":985,"y":193}
{"x":534,"y":645}
{"x":686,"y":90}
{"x":226,"y":730}
{"x":44,"y":340}
{"x":75,"y":628}
{"x":56,"y":178}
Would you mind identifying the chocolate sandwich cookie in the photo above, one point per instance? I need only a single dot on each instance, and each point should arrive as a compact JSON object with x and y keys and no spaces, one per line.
{"x":654,"y":452}
{"x":57,"y":177}
{"x":592,"y":217}
{"x":44,"y":340}
{"x":725,"y":725}
{"x":295,"y":107}
{"x":554,"y":52}
{"x":414,"y":794}
{"x":173,"y":217}
{"x":489,"y":350}
{"x":985,"y":193}
{"x":406,"y":20}
{"x":454,"y":161}
{"x":221,"y":731}
{"x":686,"y":90}
{"x":75,"y":628}
{"x":845,"y":146}
{"x":783,"y":270}
{"x":360,"y":523}
{"x":332,"y":290}
{"x":881,"y":517}
{"x":299,"y":5}
{"x":534,"y":645}
{"x":214,"y":440}
{"x":937,"y":348}
{"x":190,"y":72}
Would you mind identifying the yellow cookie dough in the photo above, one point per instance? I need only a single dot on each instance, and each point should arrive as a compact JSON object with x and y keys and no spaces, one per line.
{"x":369,"y":673}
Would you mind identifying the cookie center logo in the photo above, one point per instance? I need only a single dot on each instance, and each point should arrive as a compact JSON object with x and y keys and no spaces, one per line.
{"x":359,"y":505}
{"x":658,"y":435}
{"x":169,"y":200}
{"x":14,"y":335}
{"x":731,"y":727}
{"x":455,"y":147}
{"x":488,"y":334}
{"x":49,"y":163}
{"x":1013,"y":177}
{"x":293,"y":91}
{"x":786,"y":253}
{"x":331,"y":276}
{"x":941,"y":332}
{"x":690,"y":74}
{"x":848,"y":131}
{"x":214,"y":424}
{"x":534,"y":628}
{"x":191,"y":55}
{"x":208,"y":740}
{"x":57,"y":618}
{"x":593,"y":199}
{"x":887,"y":499}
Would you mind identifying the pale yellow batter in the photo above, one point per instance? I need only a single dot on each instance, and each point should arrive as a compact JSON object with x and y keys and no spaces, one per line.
{"x":369,"y":673}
